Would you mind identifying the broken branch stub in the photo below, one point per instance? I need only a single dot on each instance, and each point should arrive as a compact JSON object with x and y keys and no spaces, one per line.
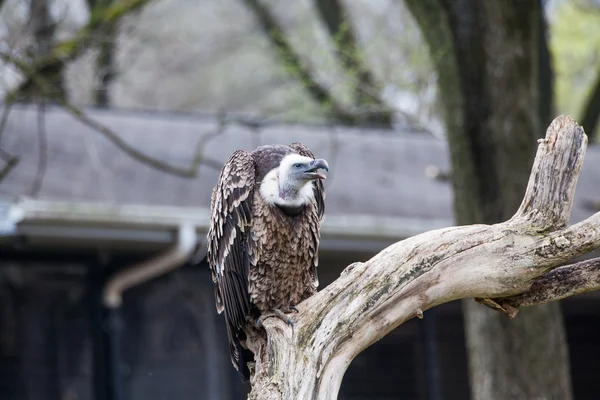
{"x":549,"y":196}
{"x":479,"y":261}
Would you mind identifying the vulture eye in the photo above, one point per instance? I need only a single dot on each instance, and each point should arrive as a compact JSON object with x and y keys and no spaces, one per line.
{"x":297,"y":165}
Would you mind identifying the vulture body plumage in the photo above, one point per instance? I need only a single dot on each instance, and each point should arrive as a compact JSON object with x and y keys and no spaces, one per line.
{"x":266,"y":211}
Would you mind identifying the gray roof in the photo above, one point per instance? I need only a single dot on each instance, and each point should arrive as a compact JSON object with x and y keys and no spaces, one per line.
{"x":373,"y":173}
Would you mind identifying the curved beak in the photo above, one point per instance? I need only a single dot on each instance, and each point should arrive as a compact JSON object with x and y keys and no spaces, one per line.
{"x":312,"y":171}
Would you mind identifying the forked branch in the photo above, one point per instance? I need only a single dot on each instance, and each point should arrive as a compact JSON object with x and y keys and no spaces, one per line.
{"x":479,"y":261}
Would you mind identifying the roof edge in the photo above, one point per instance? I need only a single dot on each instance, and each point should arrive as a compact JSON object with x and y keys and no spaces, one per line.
{"x":36,"y":217}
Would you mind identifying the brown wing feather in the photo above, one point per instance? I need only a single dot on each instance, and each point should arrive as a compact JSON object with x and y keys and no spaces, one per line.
{"x":315,"y":223}
{"x":228,"y":252}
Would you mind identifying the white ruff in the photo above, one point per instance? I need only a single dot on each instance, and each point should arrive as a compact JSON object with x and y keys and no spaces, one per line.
{"x":269,"y":191}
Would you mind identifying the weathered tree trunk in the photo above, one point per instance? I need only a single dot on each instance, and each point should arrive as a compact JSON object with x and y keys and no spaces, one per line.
{"x":501,"y":261}
{"x":495,"y":85}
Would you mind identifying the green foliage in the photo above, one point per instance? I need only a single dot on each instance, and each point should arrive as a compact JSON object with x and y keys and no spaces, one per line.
{"x":575,"y":47}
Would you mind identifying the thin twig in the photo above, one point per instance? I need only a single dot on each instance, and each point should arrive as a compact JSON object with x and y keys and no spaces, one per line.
{"x":199,"y":157}
{"x":189,"y":172}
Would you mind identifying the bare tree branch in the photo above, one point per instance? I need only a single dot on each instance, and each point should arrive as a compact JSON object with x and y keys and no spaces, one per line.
{"x":558,"y":284}
{"x":43,"y":28}
{"x":293,"y":63}
{"x":10,"y":161}
{"x":189,"y":172}
{"x":101,"y":17}
{"x":336,"y":19}
{"x":477,"y":261}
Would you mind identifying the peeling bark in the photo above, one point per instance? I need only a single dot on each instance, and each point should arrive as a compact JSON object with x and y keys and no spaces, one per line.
{"x":557,"y":284}
{"x":483,"y":261}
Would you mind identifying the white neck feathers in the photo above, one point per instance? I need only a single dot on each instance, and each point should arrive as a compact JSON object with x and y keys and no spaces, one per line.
{"x":275,"y":192}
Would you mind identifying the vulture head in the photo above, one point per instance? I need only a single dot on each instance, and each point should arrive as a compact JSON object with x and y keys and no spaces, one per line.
{"x":290,"y":184}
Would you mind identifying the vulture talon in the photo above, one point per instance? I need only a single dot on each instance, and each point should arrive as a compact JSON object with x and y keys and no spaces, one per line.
{"x":277,"y":314}
{"x":293,"y":308}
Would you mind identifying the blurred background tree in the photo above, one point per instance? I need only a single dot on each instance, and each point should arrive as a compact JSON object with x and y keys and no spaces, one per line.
{"x":575,"y":43}
{"x":495,"y":82}
{"x":354,"y":62}
{"x":494,"y":75}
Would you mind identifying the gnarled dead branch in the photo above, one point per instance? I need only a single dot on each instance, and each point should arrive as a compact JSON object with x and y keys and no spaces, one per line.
{"x":562,"y":282}
{"x":479,"y":261}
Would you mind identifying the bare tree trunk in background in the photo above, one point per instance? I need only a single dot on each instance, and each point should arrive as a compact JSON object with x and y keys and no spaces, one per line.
{"x":494,"y":81}
{"x":591,"y":111}
{"x":348,"y":52}
{"x":105,"y":60}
